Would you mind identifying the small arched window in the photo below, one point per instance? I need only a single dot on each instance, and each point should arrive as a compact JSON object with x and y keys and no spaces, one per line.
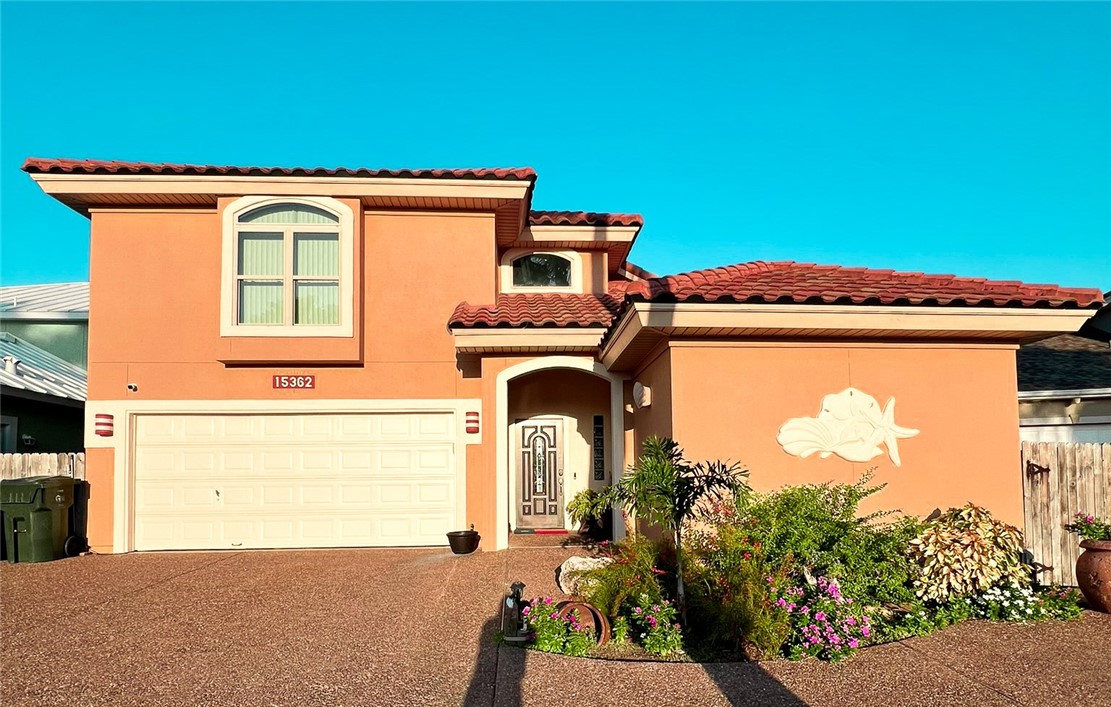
{"x":541,"y":270}
{"x":290,"y":264}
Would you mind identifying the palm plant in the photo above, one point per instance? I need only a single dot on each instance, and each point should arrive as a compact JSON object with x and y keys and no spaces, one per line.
{"x":666,"y":489}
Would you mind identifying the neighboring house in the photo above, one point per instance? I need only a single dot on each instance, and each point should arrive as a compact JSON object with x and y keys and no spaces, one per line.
{"x":1064,"y":390}
{"x":353,"y":357}
{"x":42,"y":399}
{"x":54,"y":317}
{"x":44,"y":332}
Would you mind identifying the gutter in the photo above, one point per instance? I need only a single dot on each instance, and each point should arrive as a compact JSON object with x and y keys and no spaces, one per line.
{"x":1080,"y":393}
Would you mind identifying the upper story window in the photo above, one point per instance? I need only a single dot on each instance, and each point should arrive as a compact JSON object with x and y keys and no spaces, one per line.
{"x":541,"y":270}
{"x":524,"y":270}
{"x":288,"y":267}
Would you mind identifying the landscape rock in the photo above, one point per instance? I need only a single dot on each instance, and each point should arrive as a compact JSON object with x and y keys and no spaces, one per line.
{"x":567,"y":576}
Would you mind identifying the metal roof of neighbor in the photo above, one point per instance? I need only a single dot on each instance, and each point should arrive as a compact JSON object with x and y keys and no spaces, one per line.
{"x":39,"y":371}
{"x":63,"y":300}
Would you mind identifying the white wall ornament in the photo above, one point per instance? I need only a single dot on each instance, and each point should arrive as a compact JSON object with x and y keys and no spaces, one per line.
{"x":851,"y":425}
{"x":642,"y":395}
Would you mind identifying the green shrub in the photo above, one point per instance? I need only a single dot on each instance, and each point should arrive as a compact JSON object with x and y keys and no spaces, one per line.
{"x":588,"y":505}
{"x":920,"y":619}
{"x":964,"y":553}
{"x":818,"y":527}
{"x":731,"y":590}
{"x":638,"y":564}
{"x":665,"y":489}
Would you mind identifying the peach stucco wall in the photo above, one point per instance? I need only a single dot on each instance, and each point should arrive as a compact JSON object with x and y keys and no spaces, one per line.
{"x":155,"y":307}
{"x":731,"y":399}
{"x":100,"y":474}
{"x":155,"y":322}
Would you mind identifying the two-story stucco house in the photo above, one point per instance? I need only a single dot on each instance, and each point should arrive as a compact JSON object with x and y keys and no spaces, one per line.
{"x":353,"y":357}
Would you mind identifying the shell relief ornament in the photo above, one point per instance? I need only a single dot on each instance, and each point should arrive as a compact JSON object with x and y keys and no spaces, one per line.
{"x":851,"y":425}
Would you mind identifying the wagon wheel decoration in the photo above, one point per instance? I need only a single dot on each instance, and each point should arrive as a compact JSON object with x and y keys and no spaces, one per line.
{"x":589,"y":616}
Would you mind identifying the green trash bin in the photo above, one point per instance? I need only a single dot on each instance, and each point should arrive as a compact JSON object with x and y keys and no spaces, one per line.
{"x":35,"y":513}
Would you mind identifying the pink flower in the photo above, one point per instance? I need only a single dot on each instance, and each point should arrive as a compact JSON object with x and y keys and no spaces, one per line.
{"x":781,"y":602}
{"x":853,"y":643}
{"x":791,"y":606}
{"x":850,"y":621}
{"x":675,"y":626}
{"x":820,"y":616}
{"x":638,"y":610}
{"x":1089,"y":519}
{"x":525,"y":611}
{"x":865,"y":631}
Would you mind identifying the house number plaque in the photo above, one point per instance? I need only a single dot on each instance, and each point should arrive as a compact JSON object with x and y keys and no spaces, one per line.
{"x":302,"y":382}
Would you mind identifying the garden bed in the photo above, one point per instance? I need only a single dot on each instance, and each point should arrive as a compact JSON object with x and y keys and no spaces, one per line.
{"x":793,"y":574}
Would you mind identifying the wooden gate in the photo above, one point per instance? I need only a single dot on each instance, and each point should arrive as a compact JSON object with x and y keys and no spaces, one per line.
{"x":1059,"y":480}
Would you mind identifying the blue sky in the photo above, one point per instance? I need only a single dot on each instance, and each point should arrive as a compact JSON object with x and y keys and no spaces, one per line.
{"x":948,"y":137}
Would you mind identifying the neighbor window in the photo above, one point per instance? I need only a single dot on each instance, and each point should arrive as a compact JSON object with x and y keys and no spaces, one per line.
{"x":541,"y":270}
{"x":291,"y":268}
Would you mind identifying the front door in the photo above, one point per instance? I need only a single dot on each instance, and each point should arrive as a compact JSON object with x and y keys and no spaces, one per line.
{"x":540,"y":474}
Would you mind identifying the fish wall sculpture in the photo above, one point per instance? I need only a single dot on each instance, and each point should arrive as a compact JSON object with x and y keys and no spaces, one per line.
{"x":851,"y":425}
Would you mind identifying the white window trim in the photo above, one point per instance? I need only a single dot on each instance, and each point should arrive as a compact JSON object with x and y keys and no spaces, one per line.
{"x":506,"y":271}
{"x":229,"y":325}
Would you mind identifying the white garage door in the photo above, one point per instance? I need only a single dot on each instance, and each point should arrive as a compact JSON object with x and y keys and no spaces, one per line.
{"x":284,"y":481}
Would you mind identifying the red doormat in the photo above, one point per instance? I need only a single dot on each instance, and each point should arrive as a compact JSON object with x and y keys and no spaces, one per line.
{"x":550,"y":531}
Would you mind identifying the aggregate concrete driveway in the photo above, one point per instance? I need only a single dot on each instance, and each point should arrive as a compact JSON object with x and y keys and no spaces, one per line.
{"x":414,"y":627}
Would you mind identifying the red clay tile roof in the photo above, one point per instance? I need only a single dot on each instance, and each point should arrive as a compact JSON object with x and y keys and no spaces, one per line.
{"x":67,"y":166}
{"x":536,"y":309}
{"x":760,"y":282}
{"x":637,"y":271}
{"x":790,"y":282}
{"x":583,"y":218}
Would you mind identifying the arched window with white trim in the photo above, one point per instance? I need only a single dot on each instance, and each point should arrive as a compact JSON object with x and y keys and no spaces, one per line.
{"x":541,"y":271}
{"x":290,"y":263}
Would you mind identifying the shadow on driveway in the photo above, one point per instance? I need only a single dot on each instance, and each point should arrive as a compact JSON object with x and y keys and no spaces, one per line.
{"x":498,"y":670}
{"x":749,"y":685}
{"x":499,"y":675}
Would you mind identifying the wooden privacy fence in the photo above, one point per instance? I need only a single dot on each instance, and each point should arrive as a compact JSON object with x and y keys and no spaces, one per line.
{"x":1059,"y":480}
{"x":20,"y":466}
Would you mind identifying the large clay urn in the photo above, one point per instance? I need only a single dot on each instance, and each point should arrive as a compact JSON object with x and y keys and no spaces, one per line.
{"x":1093,"y":574}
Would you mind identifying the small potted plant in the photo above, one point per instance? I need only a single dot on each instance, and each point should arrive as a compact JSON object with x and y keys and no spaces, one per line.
{"x":591,"y":510}
{"x":1093,"y":567}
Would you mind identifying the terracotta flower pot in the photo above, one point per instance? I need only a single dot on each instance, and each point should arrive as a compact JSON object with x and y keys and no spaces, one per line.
{"x":1093,"y":574}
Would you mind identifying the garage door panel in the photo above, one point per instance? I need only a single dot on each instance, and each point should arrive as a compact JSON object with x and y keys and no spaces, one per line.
{"x":287,"y":481}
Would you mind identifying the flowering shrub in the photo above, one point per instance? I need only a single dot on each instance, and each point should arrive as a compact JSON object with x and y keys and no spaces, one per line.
{"x":825,"y":624}
{"x":731,"y":606}
{"x":614,"y":587}
{"x":1019,"y":604}
{"x":553,"y":633}
{"x":656,"y":625}
{"x":1089,"y":527}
